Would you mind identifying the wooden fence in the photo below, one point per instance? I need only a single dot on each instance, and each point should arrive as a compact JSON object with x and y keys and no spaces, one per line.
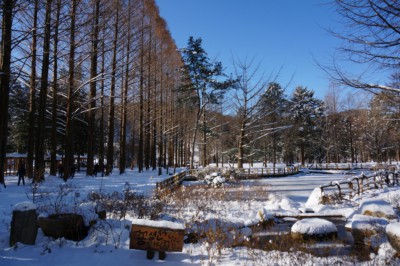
{"x":176,"y":180}
{"x":171,"y":183}
{"x":248,"y":173}
{"x":358,"y":184}
{"x":350,"y":166}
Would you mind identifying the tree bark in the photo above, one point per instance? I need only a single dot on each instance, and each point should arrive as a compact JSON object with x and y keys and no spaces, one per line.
{"x":53,"y":159}
{"x":5,"y":69}
{"x":39,"y":154}
{"x":92,"y":96}
{"x":141,"y":106}
{"x":32,"y":96}
{"x":111,"y":114}
{"x":69,"y":151}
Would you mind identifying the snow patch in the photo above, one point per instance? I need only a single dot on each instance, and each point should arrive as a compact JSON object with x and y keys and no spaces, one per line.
{"x":366,"y":222}
{"x":159,"y":224}
{"x":24,"y":206}
{"x":393,"y":229}
{"x":377,"y":207}
{"x":314,"y":199}
{"x":313,"y":226}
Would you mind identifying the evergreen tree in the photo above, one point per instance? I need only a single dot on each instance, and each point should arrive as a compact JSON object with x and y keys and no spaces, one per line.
{"x":274,"y":107}
{"x":306,"y":112}
{"x":202,"y":86}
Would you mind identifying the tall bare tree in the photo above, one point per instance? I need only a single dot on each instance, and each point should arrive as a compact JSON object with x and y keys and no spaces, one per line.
{"x":5,"y":70}
{"x":371,"y":38}
{"x":69,"y":151}
{"x":93,"y":82}
{"x":44,"y":81}
{"x":32,"y":93}
{"x":54,"y":115}
{"x":111,"y":114}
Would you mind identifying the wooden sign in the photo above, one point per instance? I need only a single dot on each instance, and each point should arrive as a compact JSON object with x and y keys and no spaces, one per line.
{"x":147,"y":237}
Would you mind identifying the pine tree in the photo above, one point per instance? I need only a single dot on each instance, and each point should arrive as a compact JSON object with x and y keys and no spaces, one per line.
{"x":274,"y":108}
{"x":203,"y":88}
{"x":305,"y":113}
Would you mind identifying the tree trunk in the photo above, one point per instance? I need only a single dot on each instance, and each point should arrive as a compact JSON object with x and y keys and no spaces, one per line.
{"x":302,"y":154}
{"x":5,"y":63}
{"x":111,"y":117}
{"x":39,"y":154}
{"x":148,"y":111}
{"x":122,"y":151}
{"x":53,"y":155}
{"x":32,"y":96}
{"x":161,"y":130}
{"x":69,"y":151}
{"x":204,"y":140}
{"x":92,"y":96}
{"x":241,"y":146}
{"x":141,"y":107}
{"x":101,"y":124}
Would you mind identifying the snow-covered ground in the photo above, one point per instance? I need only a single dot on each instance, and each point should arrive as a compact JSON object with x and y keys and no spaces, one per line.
{"x":241,"y":205}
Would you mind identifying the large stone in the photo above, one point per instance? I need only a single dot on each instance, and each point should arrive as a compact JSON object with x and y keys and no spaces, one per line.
{"x":364,"y":226}
{"x":314,"y":228}
{"x":377,"y":208}
{"x":24,"y":225}
{"x":393,"y":234}
{"x":71,"y":226}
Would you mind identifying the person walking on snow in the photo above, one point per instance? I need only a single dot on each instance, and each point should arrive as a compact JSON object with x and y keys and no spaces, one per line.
{"x":21,"y":174}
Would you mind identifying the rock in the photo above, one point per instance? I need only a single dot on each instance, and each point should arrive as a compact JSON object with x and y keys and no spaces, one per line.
{"x":314,"y":228}
{"x":377,"y":208}
{"x":393,"y":234}
{"x":68,"y":225}
{"x":364,"y":226}
{"x":24,"y":224}
{"x":315,"y":199}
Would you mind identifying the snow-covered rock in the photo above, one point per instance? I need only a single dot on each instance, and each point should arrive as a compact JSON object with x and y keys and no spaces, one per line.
{"x":314,"y":199}
{"x":313,"y":227}
{"x":366,"y":223}
{"x":393,"y":234}
{"x":377,"y":208}
{"x":214,"y":179}
{"x":364,"y":226}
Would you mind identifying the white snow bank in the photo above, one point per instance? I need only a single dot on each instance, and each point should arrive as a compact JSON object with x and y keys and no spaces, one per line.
{"x":313,"y":226}
{"x":377,"y":207}
{"x":24,"y":206}
{"x":159,"y":224}
{"x":366,"y":222}
{"x":314,"y":199}
{"x":280,"y":205}
{"x":393,"y":229}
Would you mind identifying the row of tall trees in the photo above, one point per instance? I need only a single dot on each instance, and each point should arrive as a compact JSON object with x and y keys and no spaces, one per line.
{"x":88,"y":76}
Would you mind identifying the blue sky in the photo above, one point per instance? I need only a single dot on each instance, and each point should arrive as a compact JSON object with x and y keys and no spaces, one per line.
{"x":277,"y":33}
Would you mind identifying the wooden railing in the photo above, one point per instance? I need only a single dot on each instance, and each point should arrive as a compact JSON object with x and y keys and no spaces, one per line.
{"x":176,"y":180}
{"x":350,"y":166}
{"x":359,"y":184}
{"x":249,"y":173}
{"x":171,"y":183}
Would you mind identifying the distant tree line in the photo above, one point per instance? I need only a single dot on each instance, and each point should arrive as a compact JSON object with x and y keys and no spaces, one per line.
{"x":105,"y":79}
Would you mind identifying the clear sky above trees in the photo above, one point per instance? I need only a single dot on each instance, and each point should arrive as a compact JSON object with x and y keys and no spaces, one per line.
{"x":290,"y":34}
